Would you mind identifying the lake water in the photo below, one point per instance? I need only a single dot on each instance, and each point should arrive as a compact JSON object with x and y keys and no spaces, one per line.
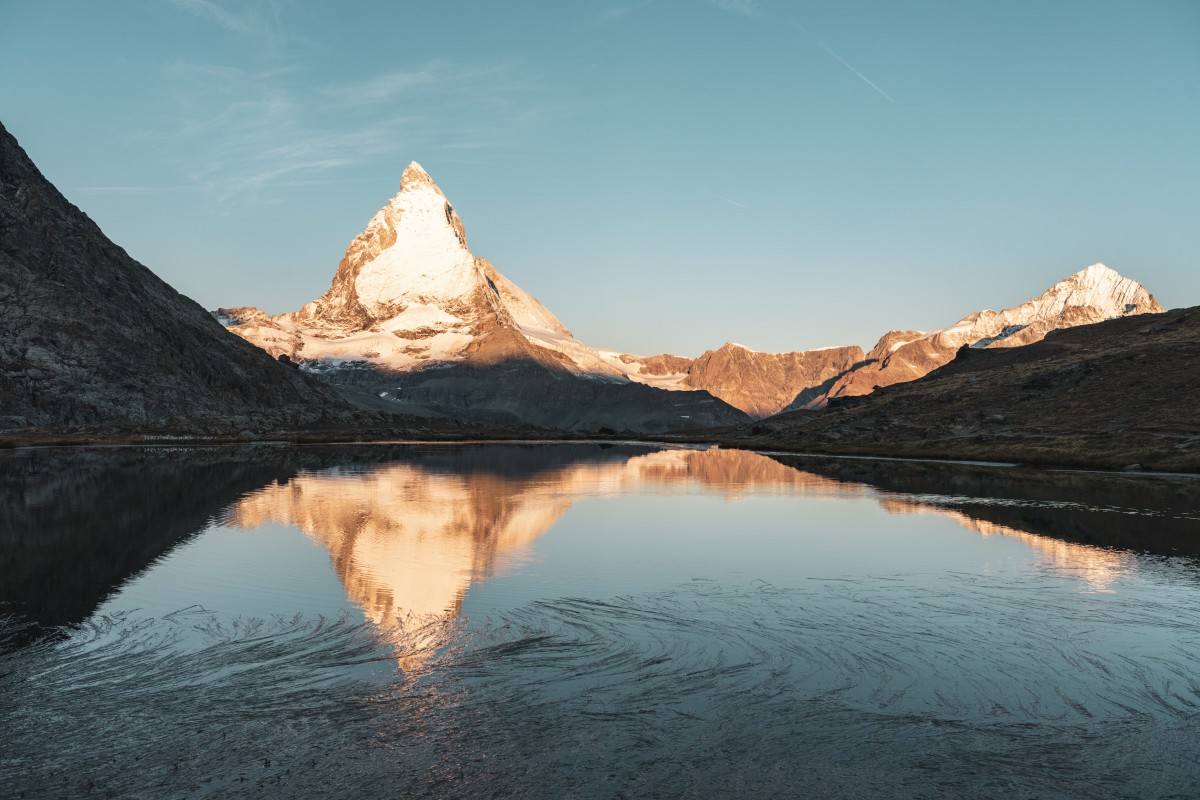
{"x":591,"y":620}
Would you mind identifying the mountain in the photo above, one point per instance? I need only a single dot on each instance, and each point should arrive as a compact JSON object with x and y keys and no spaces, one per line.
{"x":89,"y":337}
{"x":1091,"y":295}
{"x":761,"y":384}
{"x":1109,"y":394}
{"x":413,"y":317}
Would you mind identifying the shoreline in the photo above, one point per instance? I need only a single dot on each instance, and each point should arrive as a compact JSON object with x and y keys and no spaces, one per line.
{"x":965,"y":457}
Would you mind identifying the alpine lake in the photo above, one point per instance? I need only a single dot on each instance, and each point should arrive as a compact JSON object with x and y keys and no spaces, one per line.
{"x":592,"y":620}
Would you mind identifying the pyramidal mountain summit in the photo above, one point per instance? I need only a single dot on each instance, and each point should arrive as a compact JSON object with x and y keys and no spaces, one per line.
{"x":419,"y":322}
{"x":410,"y":294}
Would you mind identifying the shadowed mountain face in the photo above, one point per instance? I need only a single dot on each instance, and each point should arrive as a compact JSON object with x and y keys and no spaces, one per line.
{"x":1112,"y":394}
{"x":516,"y":392}
{"x":415,"y":319}
{"x":90,"y":337}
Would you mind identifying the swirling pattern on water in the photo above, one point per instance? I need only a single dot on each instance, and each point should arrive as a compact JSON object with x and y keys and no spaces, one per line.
{"x":979,"y":686}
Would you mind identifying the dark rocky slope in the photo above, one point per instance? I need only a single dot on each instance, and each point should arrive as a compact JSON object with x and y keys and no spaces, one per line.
{"x":1112,"y":394}
{"x":525,"y":393}
{"x":90,"y":338}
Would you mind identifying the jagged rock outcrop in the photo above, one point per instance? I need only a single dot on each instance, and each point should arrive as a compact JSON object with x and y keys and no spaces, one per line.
{"x":1091,"y":295}
{"x":412,"y":316}
{"x":89,"y":337}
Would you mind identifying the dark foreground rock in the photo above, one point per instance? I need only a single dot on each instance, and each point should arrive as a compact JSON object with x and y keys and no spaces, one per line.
{"x":90,"y":338}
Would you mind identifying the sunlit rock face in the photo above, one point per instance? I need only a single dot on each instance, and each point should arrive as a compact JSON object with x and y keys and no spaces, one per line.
{"x":1091,"y":295}
{"x":417,"y":322}
{"x":761,"y":384}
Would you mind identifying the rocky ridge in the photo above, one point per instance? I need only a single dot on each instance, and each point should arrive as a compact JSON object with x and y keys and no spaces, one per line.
{"x":91,"y":338}
{"x":1111,"y":394}
{"x":1091,"y":295}
{"x":763,"y":384}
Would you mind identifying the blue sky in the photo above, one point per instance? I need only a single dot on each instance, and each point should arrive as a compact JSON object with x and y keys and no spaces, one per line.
{"x":664,"y":176}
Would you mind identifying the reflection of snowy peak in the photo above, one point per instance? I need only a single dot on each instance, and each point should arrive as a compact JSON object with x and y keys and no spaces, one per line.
{"x":409,"y":293}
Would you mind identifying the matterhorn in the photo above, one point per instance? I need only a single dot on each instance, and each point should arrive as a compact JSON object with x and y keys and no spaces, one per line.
{"x":416,"y":322}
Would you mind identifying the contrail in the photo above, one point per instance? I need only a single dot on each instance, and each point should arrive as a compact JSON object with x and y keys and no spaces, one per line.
{"x":847,"y":65}
{"x":726,"y":199}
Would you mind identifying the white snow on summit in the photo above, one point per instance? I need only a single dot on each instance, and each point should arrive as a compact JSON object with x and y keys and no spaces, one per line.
{"x":409,"y":294}
{"x":1093,"y":294}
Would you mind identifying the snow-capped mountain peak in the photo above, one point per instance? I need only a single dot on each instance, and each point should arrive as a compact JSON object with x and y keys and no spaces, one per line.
{"x":1101,"y":287}
{"x":410,"y":293}
{"x":1093,"y":294}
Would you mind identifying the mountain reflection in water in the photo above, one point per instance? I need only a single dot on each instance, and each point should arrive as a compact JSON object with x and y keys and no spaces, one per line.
{"x":644,"y":622}
{"x":410,"y":528}
{"x":407,"y":540}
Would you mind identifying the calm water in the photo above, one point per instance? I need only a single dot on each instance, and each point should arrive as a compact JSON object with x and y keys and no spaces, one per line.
{"x":591,"y":620}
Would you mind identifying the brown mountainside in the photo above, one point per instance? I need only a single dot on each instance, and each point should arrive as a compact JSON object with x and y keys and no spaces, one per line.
{"x":762,"y":384}
{"x":1109,"y":394}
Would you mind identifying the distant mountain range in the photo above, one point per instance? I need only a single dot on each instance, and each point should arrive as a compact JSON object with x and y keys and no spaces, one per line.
{"x":1117,"y":393}
{"x":414,"y":318}
{"x":1091,"y":295}
{"x":415,"y":324}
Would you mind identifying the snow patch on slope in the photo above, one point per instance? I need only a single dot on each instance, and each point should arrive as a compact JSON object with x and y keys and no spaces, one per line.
{"x":631,"y":366}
